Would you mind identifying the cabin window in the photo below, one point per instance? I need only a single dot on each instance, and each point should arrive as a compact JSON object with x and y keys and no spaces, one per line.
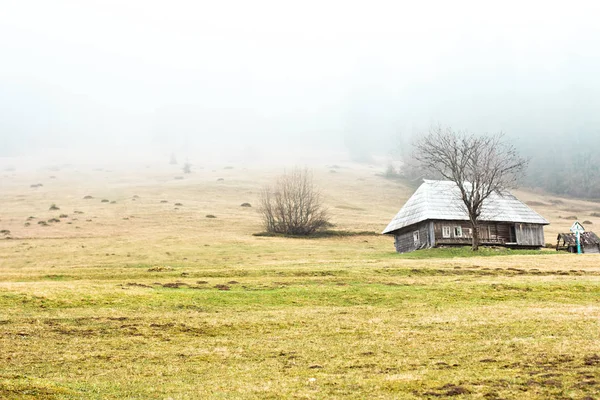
{"x":445,"y":231}
{"x":416,"y":238}
{"x":458,"y":231}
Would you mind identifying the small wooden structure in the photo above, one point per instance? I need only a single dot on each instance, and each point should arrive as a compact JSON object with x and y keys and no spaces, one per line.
{"x":435,"y":216}
{"x":590,"y":242}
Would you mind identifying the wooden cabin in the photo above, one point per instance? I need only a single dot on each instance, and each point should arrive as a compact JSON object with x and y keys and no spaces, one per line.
{"x":590,"y":242}
{"x":436,"y":216}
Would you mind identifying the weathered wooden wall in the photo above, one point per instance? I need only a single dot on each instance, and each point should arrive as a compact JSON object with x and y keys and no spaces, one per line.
{"x":500,"y":233}
{"x":492,"y":231}
{"x":404,"y":240}
{"x":529,"y":235}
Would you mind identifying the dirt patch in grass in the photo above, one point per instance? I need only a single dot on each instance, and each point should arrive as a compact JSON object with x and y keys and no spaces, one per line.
{"x":160,"y":269}
{"x":174,"y":285}
{"x":135,"y":284}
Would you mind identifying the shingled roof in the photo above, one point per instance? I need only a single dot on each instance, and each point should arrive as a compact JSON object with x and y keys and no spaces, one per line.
{"x":586,"y":239}
{"x":441,"y":200}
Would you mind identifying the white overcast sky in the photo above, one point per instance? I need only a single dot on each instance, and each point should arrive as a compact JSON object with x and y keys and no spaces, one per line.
{"x":327,"y":73}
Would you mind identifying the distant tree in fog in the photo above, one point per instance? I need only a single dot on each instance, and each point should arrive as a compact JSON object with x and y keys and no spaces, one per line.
{"x":478,"y":165}
{"x":293,"y":205}
{"x":187,"y":168}
{"x":569,"y":167}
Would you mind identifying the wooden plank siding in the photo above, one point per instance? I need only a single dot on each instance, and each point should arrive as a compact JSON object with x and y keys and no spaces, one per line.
{"x":404,"y":240}
{"x":431,"y":234}
{"x":489,"y":233}
{"x":529,"y":234}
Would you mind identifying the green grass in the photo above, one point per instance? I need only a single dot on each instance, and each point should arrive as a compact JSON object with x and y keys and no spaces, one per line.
{"x":395,"y":329}
{"x":451,"y":252}
{"x":170,"y":304}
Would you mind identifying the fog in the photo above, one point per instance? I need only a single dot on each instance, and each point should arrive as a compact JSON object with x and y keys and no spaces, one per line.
{"x":261,"y":79}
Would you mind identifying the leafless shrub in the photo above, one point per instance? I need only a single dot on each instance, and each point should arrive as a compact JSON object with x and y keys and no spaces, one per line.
{"x":293,"y":206}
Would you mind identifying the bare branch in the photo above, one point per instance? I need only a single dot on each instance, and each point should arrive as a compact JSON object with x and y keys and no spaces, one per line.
{"x":293,"y":206}
{"x":478,"y":165}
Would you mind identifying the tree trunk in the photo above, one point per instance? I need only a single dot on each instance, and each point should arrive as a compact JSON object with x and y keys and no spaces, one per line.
{"x":475,"y":240}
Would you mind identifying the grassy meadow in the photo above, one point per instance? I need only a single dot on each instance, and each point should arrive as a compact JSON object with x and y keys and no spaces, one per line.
{"x":142,"y":296}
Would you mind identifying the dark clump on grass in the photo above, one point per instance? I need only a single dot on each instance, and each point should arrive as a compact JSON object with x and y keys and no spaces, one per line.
{"x":174,"y":285}
{"x":319,"y":234}
{"x":104,"y":201}
{"x":63,"y":216}
{"x":54,"y":207}
{"x":53,"y":220}
{"x":178,"y":204}
{"x":113,"y":202}
{"x":27,"y":224}
{"x":160,"y":269}
{"x":595,"y":214}
{"x":5,"y":232}
{"x":87,"y":197}
{"x":587,"y":222}
{"x":222,"y":287}
{"x":135,"y":284}
{"x":30,"y":218}
{"x":448,"y":390}
{"x":42,"y":223}
{"x":210,"y":216}
{"x":164,"y":201}
{"x":78,"y":212}
{"x":246,"y":205}
{"x":220,"y":179}
{"x":36,"y":185}
{"x":592,"y":360}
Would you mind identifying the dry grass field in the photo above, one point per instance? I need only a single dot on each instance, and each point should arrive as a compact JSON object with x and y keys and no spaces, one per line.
{"x":142,"y":296}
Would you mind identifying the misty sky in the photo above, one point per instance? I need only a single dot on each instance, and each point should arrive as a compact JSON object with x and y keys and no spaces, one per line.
{"x":329,"y":74}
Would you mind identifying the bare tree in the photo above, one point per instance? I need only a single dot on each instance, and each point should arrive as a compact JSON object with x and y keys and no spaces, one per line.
{"x":293,"y":205}
{"x":478,"y":165}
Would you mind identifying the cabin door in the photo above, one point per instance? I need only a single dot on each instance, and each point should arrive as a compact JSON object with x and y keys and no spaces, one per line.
{"x":513,"y":234}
